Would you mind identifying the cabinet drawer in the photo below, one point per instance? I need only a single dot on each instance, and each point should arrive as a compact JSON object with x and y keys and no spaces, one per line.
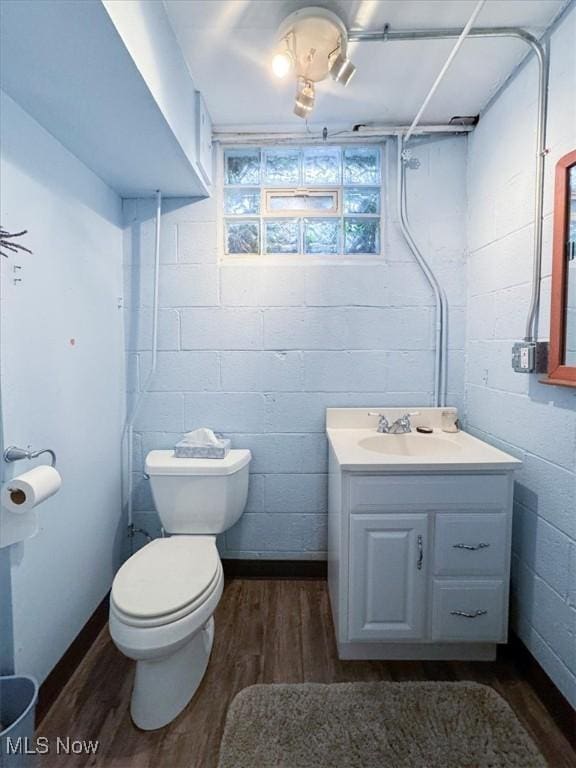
{"x":471,"y":611}
{"x":470,"y":544}
{"x":371,"y":493}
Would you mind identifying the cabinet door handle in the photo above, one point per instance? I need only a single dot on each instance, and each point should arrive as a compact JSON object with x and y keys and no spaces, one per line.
{"x":471,"y":547}
{"x":468,"y":615}
{"x":420,"y":553}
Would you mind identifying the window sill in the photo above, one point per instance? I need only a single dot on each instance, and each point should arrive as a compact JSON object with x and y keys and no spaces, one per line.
{"x":301,"y":260}
{"x":558,"y":382}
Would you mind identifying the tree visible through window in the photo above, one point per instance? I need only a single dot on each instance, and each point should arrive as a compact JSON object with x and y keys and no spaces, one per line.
{"x":309,"y":200}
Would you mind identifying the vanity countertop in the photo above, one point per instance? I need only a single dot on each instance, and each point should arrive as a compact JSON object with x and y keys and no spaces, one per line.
{"x":359,"y":447}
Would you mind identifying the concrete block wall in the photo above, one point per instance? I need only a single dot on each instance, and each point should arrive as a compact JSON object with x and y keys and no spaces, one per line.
{"x":535,"y":422}
{"x":258,"y":349}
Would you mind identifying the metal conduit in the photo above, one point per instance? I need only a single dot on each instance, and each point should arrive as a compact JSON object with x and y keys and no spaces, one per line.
{"x":441,"y":346}
{"x":441,"y":318}
{"x":360,"y":133}
{"x":543,"y":70}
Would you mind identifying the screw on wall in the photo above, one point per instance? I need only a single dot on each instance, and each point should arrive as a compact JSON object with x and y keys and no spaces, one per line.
{"x":15,"y":269}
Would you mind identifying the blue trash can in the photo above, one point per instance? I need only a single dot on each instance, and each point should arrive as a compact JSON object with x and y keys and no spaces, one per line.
{"x":18,"y":697}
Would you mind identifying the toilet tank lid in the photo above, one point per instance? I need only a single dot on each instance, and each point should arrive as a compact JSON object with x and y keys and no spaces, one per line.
{"x":165,"y":463}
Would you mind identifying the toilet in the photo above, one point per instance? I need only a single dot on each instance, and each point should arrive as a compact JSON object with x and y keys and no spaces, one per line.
{"x":164,"y":597}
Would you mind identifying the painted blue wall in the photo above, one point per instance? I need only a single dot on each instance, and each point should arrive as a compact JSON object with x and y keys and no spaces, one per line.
{"x":6,"y":631}
{"x":259,"y":350}
{"x":57,"y":393}
{"x":535,"y":422}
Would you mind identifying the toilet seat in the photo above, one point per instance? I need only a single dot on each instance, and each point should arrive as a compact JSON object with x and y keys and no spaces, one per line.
{"x":171,"y":618}
{"x":166,"y":580}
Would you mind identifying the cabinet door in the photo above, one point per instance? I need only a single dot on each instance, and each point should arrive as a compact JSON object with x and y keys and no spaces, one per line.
{"x":388,"y":567}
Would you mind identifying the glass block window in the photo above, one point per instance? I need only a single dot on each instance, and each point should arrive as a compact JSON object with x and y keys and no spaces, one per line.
{"x":282,"y":166}
{"x":321,"y":236}
{"x":282,"y":235}
{"x":362,"y":235}
{"x":308,"y":201}
{"x":242,"y":236}
{"x":322,"y":165}
{"x":242,"y":202}
{"x":359,"y":200}
{"x":242,"y":166}
{"x":361,"y":166}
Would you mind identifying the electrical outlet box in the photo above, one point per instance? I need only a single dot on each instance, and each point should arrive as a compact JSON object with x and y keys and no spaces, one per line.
{"x":530,"y":356}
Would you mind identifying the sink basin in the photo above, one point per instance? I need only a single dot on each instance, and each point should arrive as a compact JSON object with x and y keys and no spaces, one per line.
{"x":411,"y":445}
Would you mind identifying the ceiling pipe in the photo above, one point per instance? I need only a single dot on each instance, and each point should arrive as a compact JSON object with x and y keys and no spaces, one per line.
{"x":360,"y":134}
{"x":446,"y":33}
{"x":542,"y":59}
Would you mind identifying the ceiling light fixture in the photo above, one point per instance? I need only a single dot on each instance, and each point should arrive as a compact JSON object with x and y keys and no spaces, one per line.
{"x":312,"y":44}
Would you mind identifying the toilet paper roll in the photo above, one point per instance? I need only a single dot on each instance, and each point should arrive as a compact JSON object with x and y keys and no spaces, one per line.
{"x":23,"y":493}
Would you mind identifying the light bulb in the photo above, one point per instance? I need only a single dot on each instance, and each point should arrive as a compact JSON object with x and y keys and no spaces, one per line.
{"x":305,"y":97}
{"x":342,"y":69}
{"x":281,"y":64}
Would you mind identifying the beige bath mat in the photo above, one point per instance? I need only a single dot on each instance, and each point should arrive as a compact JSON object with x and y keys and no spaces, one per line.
{"x":375,"y":725}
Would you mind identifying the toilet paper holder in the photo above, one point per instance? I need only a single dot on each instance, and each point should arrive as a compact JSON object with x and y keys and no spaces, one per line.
{"x":16,"y":454}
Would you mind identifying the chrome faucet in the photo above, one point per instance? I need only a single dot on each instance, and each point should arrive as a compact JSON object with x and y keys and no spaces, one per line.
{"x":399,"y":427}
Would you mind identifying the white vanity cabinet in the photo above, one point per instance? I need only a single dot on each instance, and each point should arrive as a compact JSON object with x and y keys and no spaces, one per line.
{"x":419,"y":559}
{"x":422,"y":558}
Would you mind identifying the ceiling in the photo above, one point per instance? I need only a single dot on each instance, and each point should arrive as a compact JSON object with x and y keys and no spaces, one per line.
{"x":228,"y":43}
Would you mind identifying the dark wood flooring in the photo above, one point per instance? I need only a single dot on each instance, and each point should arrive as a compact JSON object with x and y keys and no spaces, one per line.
{"x":267,"y":631}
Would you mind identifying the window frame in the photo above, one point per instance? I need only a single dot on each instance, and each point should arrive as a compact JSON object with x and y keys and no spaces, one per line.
{"x":266,"y":213}
{"x":267,"y":192}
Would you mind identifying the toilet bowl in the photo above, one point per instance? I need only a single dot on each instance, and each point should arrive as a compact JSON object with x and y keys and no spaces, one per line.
{"x":163,"y":598}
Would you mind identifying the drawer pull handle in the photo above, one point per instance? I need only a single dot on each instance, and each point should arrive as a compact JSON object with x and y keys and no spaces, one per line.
{"x":471,"y":547}
{"x":469,"y":615}
{"x":420,"y":553}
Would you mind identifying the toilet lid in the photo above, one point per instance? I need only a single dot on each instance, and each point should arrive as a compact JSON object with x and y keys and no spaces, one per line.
{"x":165,"y":576}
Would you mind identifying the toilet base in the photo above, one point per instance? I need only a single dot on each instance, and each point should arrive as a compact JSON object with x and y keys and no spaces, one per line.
{"x":164,"y":686}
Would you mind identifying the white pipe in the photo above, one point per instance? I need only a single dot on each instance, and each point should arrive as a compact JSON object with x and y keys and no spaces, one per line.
{"x":447,"y":63}
{"x":129,"y":427}
{"x":156,"y":288}
{"x":439,"y":296}
{"x":441,"y":346}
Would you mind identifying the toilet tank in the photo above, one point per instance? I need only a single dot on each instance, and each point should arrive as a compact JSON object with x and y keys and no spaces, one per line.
{"x":203,"y":496}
